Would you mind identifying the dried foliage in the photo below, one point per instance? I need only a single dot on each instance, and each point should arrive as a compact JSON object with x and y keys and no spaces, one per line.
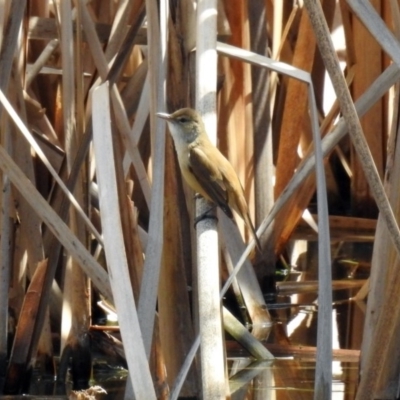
{"x":95,"y":214}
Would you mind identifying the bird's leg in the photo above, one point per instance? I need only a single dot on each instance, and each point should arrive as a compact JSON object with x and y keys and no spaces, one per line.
{"x":204,"y":216}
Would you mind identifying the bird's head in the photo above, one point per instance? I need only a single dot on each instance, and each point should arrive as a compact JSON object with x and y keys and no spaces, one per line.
{"x":185,"y":124}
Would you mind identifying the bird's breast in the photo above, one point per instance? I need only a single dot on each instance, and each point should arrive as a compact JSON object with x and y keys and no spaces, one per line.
{"x":187,"y":172}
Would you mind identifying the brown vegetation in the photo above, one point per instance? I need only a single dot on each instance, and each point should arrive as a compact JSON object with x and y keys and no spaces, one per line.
{"x":94,"y":210}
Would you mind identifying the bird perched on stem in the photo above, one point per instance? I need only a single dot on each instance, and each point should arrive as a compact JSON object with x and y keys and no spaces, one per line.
{"x":204,"y":167}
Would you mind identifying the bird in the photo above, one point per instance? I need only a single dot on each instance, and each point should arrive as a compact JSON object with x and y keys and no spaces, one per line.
{"x":204,"y":167}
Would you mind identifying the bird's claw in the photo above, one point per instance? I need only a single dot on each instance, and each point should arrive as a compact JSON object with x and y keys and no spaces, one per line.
{"x":203,"y":217}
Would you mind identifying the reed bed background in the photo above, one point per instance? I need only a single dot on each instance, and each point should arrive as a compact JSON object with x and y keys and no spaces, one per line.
{"x":301,"y":96}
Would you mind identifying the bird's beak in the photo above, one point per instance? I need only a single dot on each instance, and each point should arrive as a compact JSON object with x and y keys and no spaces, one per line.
{"x":164,"y":116}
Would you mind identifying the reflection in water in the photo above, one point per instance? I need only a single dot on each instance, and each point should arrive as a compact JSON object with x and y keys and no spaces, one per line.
{"x":291,"y":374}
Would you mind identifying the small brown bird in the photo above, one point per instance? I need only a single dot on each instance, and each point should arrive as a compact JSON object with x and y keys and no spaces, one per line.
{"x":204,"y":167}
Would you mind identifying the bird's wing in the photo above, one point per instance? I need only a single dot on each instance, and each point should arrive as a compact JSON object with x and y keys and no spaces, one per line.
{"x":210,"y":179}
{"x":213,"y":178}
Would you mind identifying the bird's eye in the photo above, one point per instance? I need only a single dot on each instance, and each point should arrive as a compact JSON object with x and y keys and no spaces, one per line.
{"x":183,"y":119}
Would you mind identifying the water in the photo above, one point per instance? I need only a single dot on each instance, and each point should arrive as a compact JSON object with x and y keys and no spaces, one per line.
{"x":291,"y":375}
